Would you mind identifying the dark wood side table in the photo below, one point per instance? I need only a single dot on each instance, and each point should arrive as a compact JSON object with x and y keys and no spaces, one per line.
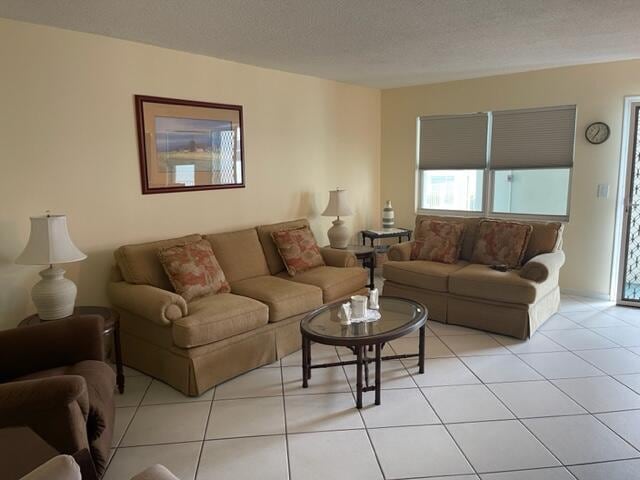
{"x":373,"y":235}
{"x":367,"y":255}
{"x":111,"y":327}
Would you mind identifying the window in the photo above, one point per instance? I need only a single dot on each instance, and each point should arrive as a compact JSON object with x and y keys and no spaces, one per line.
{"x":519,"y":161}
{"x":451,"y":190}
{"x":543,"y":192}
{"x":452,"y":160}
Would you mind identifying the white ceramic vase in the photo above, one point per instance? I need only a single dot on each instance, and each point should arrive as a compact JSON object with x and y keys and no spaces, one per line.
{"x":388,"y":215}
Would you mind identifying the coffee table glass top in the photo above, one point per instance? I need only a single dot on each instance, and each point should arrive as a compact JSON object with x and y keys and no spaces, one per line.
{"x":399,"y":317}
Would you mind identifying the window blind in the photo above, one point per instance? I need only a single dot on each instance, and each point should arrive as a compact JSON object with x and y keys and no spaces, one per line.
{"x":453,"y":142}
{"x":536,"y":138}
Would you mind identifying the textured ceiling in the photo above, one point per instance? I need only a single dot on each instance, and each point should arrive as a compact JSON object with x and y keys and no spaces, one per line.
{"x":380,"y":43}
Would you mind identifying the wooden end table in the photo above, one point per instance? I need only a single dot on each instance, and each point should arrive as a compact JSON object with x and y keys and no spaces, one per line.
{"x":111,"y":320}
{"x":367,"y":255}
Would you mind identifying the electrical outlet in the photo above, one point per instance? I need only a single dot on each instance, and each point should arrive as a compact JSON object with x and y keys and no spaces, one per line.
{"x":603,"y":190}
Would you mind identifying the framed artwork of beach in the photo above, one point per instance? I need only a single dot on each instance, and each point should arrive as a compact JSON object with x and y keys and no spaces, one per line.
{"x":188,"y":145}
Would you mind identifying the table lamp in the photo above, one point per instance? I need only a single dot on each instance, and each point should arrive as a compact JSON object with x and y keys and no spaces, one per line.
{"x":49,"y":244}
{"x":338,"y":206}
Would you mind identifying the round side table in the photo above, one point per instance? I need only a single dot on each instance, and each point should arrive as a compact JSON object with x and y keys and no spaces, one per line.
{"x":367,"y":255}
{"x":111,"y":320}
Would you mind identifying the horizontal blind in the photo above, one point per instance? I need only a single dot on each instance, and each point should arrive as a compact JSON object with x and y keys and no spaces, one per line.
{"x":453,"y":142}
{"x":536,"y":138}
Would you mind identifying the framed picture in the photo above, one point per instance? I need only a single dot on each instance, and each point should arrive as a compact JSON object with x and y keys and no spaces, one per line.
{"x":186,"y":145}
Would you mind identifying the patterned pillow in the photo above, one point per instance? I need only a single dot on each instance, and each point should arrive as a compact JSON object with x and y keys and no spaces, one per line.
{"x":501,"y":243}
{"x":298,"y":249}
{"x":193,"y":270}
{"x":438,"y":241}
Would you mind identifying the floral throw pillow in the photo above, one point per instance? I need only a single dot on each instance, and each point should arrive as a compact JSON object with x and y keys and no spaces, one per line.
{"x":298,"y":249}
{"x":193,"y":270}
{"x":438,"y":241}
{"x":501,"y":243}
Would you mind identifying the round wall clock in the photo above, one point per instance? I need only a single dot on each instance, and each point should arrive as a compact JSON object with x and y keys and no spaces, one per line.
{"x":597,"y":133}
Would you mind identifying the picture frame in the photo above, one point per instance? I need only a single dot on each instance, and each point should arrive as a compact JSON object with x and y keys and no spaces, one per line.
{"x":187,"y":145}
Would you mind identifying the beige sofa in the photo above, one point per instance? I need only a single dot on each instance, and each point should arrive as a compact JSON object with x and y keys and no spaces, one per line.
{"x":197,"y":345}
{"x":513,"y":303}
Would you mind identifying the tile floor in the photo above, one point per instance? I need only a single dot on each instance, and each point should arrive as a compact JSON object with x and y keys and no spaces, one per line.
{"x":563,"y":405}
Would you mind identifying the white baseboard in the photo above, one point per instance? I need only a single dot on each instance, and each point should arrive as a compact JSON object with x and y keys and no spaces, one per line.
{"x":583,"y":293}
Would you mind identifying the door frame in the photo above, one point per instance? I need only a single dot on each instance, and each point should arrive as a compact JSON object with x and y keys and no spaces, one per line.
{"x":627,"y":153}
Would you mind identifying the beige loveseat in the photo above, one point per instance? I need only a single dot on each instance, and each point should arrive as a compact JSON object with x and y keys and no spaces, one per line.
{"x":197,"y":345}
{"x":513,"y":303}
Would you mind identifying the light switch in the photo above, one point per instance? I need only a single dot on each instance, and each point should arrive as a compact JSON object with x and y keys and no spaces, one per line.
{"x":603,"y":190}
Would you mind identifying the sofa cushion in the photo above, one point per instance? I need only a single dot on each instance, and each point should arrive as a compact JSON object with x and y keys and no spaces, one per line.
{"x":298,"y":249}
{"x":501,"y":243}
{"x":480,"y":281}
{"x":239,"y":253}
{"x":421,"y":273}
{"x":139,"y":263}
{"x":335,"y":282}
{"x":438,"y":241}
{"x":276,"y":265}
{"x":284,"y":297}
{"x":546,"y":237}
{"x":193,"y":270}
{"x":468,"y":236}
{"x":216,"y":317}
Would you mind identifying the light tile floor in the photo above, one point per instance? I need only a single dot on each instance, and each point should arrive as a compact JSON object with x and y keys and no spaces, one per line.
{"x":563,"y":405}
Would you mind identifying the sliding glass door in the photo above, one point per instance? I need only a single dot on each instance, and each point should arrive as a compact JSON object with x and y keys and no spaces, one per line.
{"x":629,"y":282}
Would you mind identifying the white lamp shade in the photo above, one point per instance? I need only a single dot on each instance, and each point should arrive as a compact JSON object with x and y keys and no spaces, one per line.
{"x":49,"y":243}
{"x":338,"y":204}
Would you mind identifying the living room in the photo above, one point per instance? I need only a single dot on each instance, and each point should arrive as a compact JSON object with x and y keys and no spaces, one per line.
{"x":528,"y":367}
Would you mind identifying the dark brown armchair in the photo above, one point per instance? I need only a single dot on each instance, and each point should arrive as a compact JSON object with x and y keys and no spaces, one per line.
{"x":53,"y":380}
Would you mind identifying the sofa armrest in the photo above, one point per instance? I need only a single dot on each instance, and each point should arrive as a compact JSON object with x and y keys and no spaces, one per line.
{"x":335,"y":257}
{"x":400,"y":252}
{"x":50,"y":344}
{"x":20,"y":398}
{"x":154,"y":304}
{"x":56,"y":408}
{"x":540,"y":267}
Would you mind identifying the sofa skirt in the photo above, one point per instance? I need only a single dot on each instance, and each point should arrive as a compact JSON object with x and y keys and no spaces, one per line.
{"x":514,"y":320}
{"x":193,"y":371}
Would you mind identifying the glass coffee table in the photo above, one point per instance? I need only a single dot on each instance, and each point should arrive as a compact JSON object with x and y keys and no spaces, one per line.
{"x":399,"y":318}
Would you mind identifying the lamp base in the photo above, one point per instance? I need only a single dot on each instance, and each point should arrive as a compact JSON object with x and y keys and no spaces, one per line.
{"x":339,"y":234}
{"x":54,"y":296}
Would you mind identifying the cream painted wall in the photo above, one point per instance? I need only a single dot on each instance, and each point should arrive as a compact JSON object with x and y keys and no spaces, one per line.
{"x":68,"y":144}
{"x":597,"y":90}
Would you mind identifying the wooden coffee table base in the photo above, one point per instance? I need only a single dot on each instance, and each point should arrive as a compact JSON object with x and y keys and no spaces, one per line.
{"x":362,"y":364}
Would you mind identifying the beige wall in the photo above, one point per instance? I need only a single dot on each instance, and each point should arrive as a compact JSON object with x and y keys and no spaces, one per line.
{"x":68,"y":144}
{"x":597,"y":90}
